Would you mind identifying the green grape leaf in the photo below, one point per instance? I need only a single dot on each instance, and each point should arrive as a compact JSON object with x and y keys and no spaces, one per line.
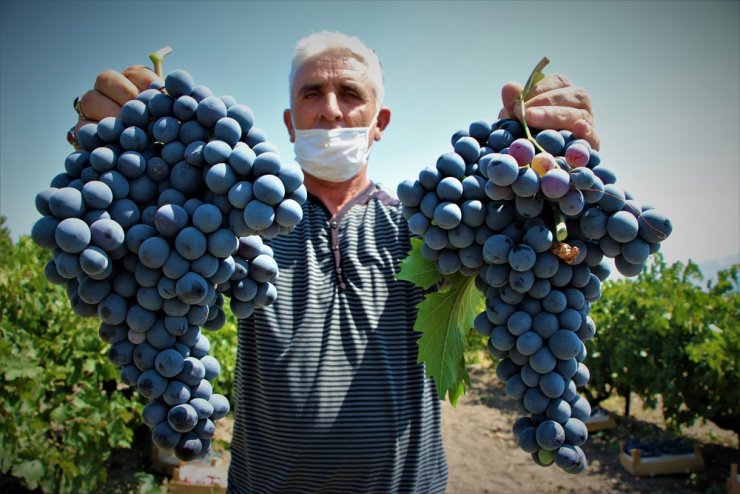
{"x":30,"y":471}
{"x":418,"y":270}
{"x":444,"y":318}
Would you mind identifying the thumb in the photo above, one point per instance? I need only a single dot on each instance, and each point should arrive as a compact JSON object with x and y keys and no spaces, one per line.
{"x":509,"y":93}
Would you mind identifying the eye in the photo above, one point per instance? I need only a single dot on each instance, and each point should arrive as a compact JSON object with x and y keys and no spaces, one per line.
{"x":310,"y":94}
{"x":351,"y":94}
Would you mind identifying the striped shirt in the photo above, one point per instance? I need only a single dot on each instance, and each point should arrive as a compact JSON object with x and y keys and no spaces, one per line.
{"x":329,"y":397}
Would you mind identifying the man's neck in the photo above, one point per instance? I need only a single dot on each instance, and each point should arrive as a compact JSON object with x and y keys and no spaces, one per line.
{"x":335,"y":195}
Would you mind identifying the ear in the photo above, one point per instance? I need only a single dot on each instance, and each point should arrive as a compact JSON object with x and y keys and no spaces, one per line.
{"x":289,"y":124}
{"x":382,"y":121}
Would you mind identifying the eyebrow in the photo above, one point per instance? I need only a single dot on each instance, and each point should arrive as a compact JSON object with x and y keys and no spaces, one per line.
{"x":344,"y":85}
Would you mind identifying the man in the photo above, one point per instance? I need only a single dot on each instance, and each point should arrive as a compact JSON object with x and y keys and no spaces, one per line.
{"x":328,"y":394}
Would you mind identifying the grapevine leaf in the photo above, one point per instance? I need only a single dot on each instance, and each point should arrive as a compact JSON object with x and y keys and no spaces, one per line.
{"x":418,"y":270}
{"x":444,"y":318}
{"x":30,"y":471}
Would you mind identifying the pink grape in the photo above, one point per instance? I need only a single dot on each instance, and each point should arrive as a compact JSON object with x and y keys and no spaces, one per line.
{"x":543,"y":162}
{"x":522,"y":150}
{"x":577,"y":155}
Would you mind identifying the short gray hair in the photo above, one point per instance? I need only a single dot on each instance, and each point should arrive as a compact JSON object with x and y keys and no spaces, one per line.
{"x":328,"y":41}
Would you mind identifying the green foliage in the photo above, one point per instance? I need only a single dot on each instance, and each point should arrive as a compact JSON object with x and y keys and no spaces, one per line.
{"x":445,"y":318}
{"x":61,"y":413}
{"x":663,"y":335}
{"x":223,"y":346}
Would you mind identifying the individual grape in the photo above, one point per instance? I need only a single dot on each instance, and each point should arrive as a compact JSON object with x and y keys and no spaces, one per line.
{"x":258,"y":215}
{"x":179,"y":83}
{"x":451,"y":165}
{"x":543,"y":163}
{"x":496,"y":249}
{"x":654,"y":226}
{"x":125,"y":213}
{"x":535,"y":402}
{"x":447,"y":215}
{"x":169,"y":363}
{"x":165,"y":437}
{"x":154,"y":413}
{"x":555,"y":183}
{"x":154,"y":252}
{"x":522,"y":150}
{"x":552,"y":384}
{"x":578,"y":154}
{"x":550,"y":435}
{"x":468,"y":148}
{"x":522,"y":257}
{"x":539,"y":239}
{"x":622,"y":227}
{"x":605,"y":173}
{"x":190,"y":243}
{"x":528,"y":343}
{"x":449,"y":189}
{"x":210,"y":110}
{"x":551,"y":141}
{"x":176,"y":393}
{"x":72,"y":235}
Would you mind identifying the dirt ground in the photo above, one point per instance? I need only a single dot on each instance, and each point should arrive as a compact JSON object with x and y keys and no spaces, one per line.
{"x":484,"y":458}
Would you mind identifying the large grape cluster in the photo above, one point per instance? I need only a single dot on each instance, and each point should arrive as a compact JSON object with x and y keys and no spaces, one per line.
{"x":533,"y":220}
{"x":157,"y":217}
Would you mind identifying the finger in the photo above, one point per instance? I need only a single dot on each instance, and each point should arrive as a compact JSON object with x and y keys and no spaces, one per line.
{"x":72,"y":134}
{"x":573,"y":97}
{"x":509,"y":94}
{"x":556,"y":117}
{"x":81,"y":123}
{"x":97,"y":106}
{"x":116,"y":86}
{"x":549,"y":83}
{"x":584,"y":130}
{"x":141,"y":76}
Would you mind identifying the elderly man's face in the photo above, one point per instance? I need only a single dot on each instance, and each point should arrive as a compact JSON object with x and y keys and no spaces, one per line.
{"x":331,"y":91}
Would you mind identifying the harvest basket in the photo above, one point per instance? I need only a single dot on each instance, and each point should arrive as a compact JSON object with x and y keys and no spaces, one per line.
{"x":660,"y":465}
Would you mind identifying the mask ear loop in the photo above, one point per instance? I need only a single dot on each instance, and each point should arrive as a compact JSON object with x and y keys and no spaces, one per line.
{"x":370,"y":142}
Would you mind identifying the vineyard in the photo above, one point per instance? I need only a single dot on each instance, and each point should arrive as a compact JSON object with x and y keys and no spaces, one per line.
{"x":664,"y":337}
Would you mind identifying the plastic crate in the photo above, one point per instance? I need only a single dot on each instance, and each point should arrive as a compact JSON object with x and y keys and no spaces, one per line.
{"x":599,"y":422}
{"x":660,"y":465}
{"x":206,"y":476}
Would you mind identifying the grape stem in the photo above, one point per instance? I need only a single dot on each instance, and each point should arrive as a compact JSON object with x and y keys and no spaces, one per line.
{"x":561,"y":230}
{"x":157,"y":59}
{"x":535,"y":77}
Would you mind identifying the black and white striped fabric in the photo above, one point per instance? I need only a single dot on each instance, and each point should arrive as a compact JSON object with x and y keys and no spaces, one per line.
{"x":328,"y":395}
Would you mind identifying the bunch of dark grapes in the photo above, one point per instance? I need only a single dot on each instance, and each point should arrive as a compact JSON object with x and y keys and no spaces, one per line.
{"x":158,"y":216}
{"x":533,"y":220}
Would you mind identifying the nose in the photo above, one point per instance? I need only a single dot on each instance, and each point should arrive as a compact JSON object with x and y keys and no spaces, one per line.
{"x":330,"y":110}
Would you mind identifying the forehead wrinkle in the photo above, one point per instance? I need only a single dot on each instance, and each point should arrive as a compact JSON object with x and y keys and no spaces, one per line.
{"x":352,"y":74}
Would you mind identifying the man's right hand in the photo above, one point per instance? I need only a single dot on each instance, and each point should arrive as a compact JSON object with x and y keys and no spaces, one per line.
{"x":112,"y":89}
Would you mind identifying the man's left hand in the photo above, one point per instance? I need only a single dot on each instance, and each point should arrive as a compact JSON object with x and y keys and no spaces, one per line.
{"x":553,"y":103}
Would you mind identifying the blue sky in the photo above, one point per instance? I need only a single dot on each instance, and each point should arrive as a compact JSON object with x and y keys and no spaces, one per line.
{"x":663,"y":77}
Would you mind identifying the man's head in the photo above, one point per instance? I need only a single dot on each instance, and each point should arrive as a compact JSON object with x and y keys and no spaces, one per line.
{"x":336,"y":82}
{"x":341,"y":45}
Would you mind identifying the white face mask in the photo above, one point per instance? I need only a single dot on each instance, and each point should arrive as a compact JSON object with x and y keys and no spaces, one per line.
{"x":334,"y":155}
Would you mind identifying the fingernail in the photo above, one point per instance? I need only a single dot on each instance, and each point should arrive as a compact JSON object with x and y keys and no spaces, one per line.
{"x":535,"y":113}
